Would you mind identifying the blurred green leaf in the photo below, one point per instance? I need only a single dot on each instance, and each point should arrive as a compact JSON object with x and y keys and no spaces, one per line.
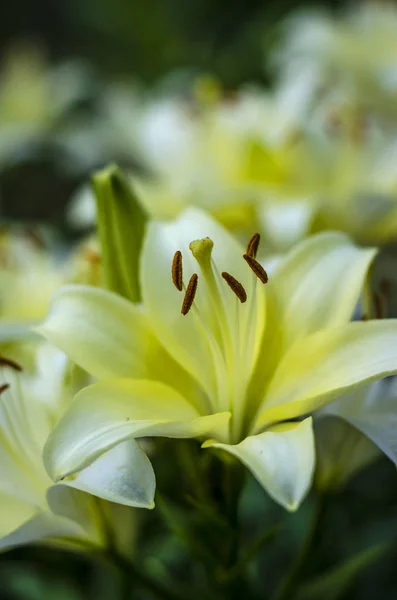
{"x":335,"y":582}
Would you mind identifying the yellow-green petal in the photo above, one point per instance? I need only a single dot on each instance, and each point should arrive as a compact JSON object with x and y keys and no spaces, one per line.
{"x":282,"y":460}
{"x":42,"y":527}
{"x":14,"y":512}
{"x":319,"y":283}
{"x":316,"y":286}
{"x":110,"y":337}
{"x":326,"y":364}
{"x":109,"y":412}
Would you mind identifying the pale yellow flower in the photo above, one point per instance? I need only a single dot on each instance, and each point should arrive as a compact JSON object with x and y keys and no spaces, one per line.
{"x":347,"y":65}
{"x":32,"y":509}
{"x":237,"y":368}
{"x":30,"y":274}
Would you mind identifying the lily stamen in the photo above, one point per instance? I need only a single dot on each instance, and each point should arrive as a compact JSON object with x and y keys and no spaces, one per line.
{"x":256,"y":267}
{"x":253,"y":245}
{"x":177,"y":271}
{"x":235,"y":286}
{"x":8,"y":362}
{"x":4,"y":387}
{"x":189,"y":294}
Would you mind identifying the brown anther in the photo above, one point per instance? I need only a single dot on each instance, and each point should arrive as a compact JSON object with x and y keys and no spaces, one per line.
{"x":235,"y":286}
{"x":36,"y":237}
{"x":189,"y":294}
{"x":380,"y":307}
{"x":92,"y":256}
{"x":4,"y":387}
{"x":177,"y":270}
{"x":257,"y":268}
{"x":253,"y":245}
{"x":385,"y":286}
{"x":8,"y":362}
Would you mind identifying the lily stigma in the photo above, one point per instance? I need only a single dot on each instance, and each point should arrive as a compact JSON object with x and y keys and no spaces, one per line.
{"x":217,"y":353}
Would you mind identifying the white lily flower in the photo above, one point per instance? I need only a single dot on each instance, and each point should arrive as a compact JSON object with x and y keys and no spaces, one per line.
{"x":238,"y":365}
{"x":32,"y":508}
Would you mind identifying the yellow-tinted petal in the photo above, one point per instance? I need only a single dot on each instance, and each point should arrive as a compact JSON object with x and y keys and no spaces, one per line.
{"x":319,"y":283}
{"x":110,"y":337}
{"x":326,"y":364}
{"x":44,"y":526}
{"x":281,"y":459}
{"x":109,"y":412}
{"x":316,"y":286}
{"x":14,"y":512}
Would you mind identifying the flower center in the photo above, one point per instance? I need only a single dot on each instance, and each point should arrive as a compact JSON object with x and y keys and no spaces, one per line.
{"x":230,"y":326}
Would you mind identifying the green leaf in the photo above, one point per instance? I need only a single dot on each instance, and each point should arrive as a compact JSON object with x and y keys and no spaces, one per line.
{"x":335,"y":582}
{"x":121,"y":228}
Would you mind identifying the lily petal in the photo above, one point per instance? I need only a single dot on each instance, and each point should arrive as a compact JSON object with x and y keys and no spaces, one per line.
{"x":14,"y":512}
{"x":286,"y":222}
{"x":326,"y":364}
{"x":373,"y":411}
{"x":319,"y":283}
{"x":341,"y":451}
{"x":41,"y":527}
{"x":109,"y":412}
{"x":316,"y":286}
{"x":78,"y":508}
{"x":100,"y":331}
{"x":109,"y":337}
{"x":282,"y":460}
{"x":123,"y":475}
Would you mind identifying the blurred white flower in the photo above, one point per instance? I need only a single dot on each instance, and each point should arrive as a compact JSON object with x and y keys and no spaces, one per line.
{"x":347,"y":63}
{"x":32,"y":509}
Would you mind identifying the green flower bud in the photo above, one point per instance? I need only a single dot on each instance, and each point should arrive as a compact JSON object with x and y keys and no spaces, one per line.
{"x":121,"y":228}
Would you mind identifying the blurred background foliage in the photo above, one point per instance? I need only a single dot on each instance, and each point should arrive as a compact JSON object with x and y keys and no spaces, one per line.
{"x":145,"y":41}
{"x":148,"y":39}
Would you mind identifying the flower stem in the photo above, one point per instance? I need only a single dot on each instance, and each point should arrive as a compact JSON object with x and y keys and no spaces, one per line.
{"x":233,"y":484}
{"x":284,"y":590}
{"x":136,"y":576}
{"x":263,"y":539}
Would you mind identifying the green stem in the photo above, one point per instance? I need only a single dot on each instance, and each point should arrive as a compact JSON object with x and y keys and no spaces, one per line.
{"x":251,"y":552}
{"x":284,"y":590}
{"x":131,"y":573}
{"x":232,"y":489}
{"x":233,"y":484}
{"x":190,"y":465}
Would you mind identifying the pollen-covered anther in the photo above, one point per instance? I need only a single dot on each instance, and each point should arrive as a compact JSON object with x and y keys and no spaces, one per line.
{"x":4,"y":387}
{"x":235,"y":285}
{"x":177,"y":270}
{"x":8,"y":362}
{"x":257,"y":268}
{"x":253,"y":245}
{"x":190,"y":294}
